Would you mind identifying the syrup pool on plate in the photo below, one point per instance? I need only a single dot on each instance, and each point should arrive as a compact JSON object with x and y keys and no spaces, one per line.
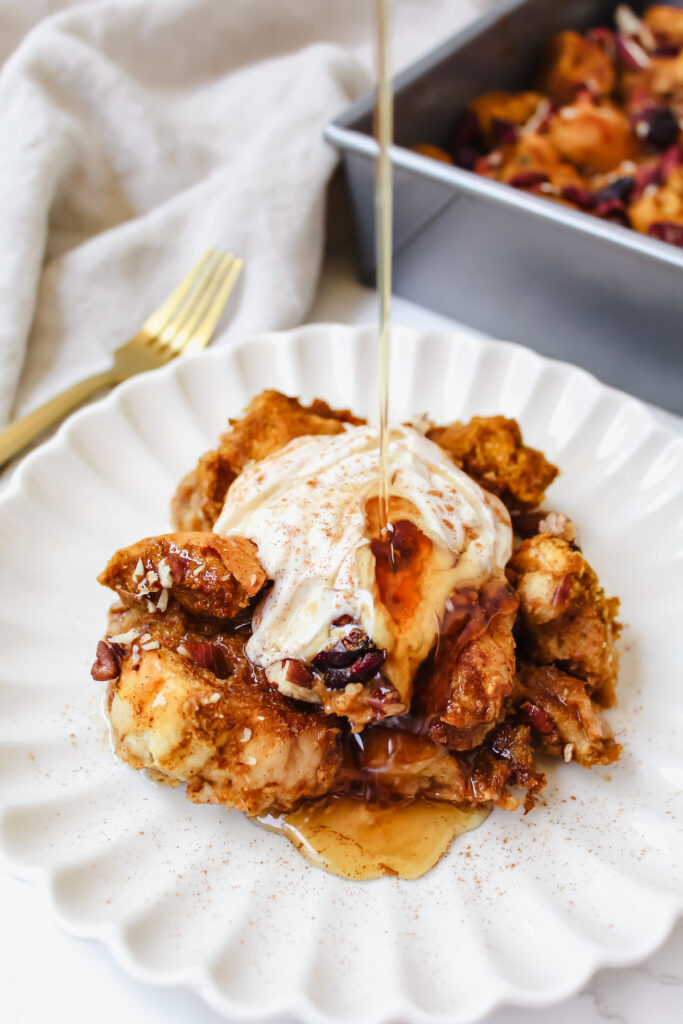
{"x":360,"y":840}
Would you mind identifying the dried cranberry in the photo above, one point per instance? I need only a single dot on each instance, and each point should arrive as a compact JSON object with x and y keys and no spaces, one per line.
{"x":648,"y":174}
{"x":581,"y":197}
{"x":614,"y":211}
{"x":620,"y":189}
{"x":468,"y":129}
{"x":362,"y":669}
{"x":345,"y":651}
{"x":531,"y":714}
{"x":666,"y":231}
{"x":662,"y":127}
{"x":468,"y":143}
{"x":335,"y":657}
{"x":665,"y":49}
{"x":503,"y":132}
{"x":528,"y":179}
{"x":631,"y":53}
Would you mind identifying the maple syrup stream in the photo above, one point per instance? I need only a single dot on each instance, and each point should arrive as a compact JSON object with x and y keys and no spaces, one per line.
{"x":384,"y":127}
{"x":353,"y":838}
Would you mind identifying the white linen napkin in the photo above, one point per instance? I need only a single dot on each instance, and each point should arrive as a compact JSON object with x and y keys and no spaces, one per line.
{"x":136,"y":133}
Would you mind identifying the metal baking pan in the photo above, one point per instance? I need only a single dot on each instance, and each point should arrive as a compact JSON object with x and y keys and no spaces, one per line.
{"x":508,"y":263}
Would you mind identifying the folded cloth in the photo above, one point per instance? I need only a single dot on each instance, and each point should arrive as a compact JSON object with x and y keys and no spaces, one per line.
{"x":136,"y":133}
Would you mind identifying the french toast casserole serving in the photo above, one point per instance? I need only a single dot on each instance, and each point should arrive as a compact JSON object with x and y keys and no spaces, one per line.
{"x":275,"y":649}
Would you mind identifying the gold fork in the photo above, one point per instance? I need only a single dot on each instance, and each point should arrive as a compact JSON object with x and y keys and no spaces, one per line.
{"x":184,"y":323}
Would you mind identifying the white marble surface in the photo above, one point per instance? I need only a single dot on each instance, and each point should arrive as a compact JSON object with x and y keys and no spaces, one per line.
{"x":47,"y":976}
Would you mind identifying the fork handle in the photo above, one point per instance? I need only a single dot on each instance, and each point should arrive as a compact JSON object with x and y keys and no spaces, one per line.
{"x":21,"y":432}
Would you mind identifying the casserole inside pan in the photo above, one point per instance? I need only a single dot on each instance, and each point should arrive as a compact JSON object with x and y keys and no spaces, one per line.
{"x":507,"y":262}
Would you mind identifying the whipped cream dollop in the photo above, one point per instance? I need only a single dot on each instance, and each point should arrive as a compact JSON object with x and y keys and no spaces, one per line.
{"x":305,"y":507}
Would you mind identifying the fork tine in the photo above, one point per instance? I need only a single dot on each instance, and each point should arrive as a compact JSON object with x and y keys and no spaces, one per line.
{"x":155,"y":324}
{"x":200,"y":335}
{"x":197,"y":300}
{"x":207,"y":307}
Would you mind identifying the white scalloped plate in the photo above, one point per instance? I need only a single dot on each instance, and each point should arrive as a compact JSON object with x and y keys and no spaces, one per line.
{"x":521,"y":911}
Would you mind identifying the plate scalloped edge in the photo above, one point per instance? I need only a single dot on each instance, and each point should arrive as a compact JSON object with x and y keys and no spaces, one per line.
{"x":453,"y":372}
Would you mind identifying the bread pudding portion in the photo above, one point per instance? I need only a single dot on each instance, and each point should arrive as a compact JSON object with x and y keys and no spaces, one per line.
{"x":275,"y":649}
{"x":270,"y":422}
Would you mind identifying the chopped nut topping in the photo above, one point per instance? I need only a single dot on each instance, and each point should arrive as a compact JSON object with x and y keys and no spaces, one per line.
{"x":557,"y":524}
{"x":421,"y":422}
{"x":153,"y":645}
{"x":246,"y":735}
{"x":106,"y":664}
{"x":568,"y":753}
{"x":139,"y":570}
{"x":162,"y":603}
{"x":125,"y":639}
{"x":183,"y":651}
{"x":250,"y":760}
{"x":159,"y":701}
{"x":165,"y":575}
{"x":135,"y":655}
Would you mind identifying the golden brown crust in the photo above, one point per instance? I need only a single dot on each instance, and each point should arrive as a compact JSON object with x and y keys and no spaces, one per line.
{"x":565,"y":617}
{"x":514,"y":107}
{"x":212,"y":644}
{"x":491,"y":450}
{"x":231,"y":743}
{"x":462,"y":694}
{"x":570,"y":62}
{"x":666,"y":21}
{"x":395,"y":764}
{"x":660,"y":204}
{"x":270,"y":421}
{"x":579,"y":730}
{"x":205,"y":573}
{"x":535,"y":154}
{"x":188,"y":705}
{"x":594,"y":137}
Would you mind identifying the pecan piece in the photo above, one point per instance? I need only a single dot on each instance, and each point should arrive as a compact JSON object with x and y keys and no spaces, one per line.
{"x":106,"y":663}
